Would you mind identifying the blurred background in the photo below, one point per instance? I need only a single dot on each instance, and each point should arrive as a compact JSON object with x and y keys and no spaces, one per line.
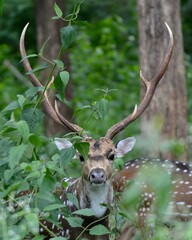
{"x":104,"y":62}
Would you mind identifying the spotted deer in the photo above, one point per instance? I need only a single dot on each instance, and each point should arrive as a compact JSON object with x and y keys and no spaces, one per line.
{"x":95,"y":188}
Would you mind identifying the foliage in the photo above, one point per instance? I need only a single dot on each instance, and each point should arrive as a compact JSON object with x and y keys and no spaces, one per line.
{"x":29,"y":175}
{"x":23,"y":167}
{"x":1,"y":6}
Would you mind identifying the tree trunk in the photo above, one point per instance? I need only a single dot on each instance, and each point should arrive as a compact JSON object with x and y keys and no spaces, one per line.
{"x":47,"y":27}
{"x":168,"y":109}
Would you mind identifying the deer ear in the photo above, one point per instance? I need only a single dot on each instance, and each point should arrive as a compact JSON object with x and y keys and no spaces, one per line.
{"x":124,"y":146}
{"x":62,"y":143}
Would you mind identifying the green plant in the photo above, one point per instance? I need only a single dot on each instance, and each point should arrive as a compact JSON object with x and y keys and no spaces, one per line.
{"x":29,"y":174}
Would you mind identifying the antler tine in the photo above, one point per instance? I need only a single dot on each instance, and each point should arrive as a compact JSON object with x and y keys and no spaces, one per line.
{"x":25,"y":61}
{"x":150,"y":89}
{"x":55,"y":115}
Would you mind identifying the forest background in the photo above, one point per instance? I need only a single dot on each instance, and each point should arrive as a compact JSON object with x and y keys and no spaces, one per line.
{"x":104,"y":57}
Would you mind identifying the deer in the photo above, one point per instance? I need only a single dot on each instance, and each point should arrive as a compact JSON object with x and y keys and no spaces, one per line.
{"x":95,"y":188}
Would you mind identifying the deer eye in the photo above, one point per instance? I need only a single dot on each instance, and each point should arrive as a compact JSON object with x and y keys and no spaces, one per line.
{"x":111,"y":156}
{"x":81,"y":158}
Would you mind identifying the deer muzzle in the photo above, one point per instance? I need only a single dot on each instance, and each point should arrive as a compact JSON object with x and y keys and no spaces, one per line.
{"x":97,"y":176}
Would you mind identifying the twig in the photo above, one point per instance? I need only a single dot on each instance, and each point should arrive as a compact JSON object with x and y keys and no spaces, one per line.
{"x":16,"y":72}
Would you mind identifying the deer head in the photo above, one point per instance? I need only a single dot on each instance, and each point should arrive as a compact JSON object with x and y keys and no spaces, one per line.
{"x":97,"y":170}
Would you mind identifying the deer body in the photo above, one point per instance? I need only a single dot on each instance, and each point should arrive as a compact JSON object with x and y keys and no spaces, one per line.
{"x":97,"y":184}
{"x":92,"y":196}
{"x":84,"y":201}
{"x":93,"y":189}
{"x":180,"y":204}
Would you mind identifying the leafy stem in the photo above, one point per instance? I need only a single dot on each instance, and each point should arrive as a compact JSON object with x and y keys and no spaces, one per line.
{"x":75,"y":11}
{"x":47,"y":60}
{"x":47,"y":229}
{"x":49,"y":78}
{"x":92,"y":223}
{"x":88,"y":119}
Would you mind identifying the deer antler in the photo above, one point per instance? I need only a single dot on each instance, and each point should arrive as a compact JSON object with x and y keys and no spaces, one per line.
{"x":150,"y":89}
{"x":54,"y":114}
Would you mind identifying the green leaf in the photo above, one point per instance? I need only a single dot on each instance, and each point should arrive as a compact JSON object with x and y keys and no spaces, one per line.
{"x":35,"y":140}
{"x":8,"y":174}
{"x":66,"y":156}
{"x":47,"y":197}
{"x":32,"y":116}
{"x":32,"y":222}
{"x":119,"y":163}
{"x":68,"y":36}
{"x":43,"y":46}
{"x":23,"y":129}
{"x":68,"y":103}
{"x":99,"y":230}
{"x":64,"y":75}
{"x":85,"y":212}
{"x":58,"y":10}
{"x":26,"y":167}
{"x":59,"y":64}
{"x":72,"y":198}
{"x":75,"y":221}
{"x":101,"y":107}
{"x":15,"y":155}
{"x":61,"y":82}
{"x":29,"y":56}
{"x":48,"y":184}
{"x":5,"y":145}
{"x":38,"y":238}
{"x":21,"y":100}
{"x":32,"y":92}
{"x":83,"y":107}
{"x":39,"y":68}
{"x":12,"y":106}
{"x":82,"y":148}
{"x":11,"y":188}
{"x":53,"y":207}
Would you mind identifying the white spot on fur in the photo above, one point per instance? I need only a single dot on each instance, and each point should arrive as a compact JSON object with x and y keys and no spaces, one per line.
{"x":180,"y":203}
{"x":187,"y":182}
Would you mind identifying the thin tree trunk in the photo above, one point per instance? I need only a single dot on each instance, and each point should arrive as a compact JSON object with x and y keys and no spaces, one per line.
{"x":46,"y":27}
{"x":168,"y":109}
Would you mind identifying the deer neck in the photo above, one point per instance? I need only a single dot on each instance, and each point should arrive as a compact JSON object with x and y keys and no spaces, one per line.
{"x":93,"y":196}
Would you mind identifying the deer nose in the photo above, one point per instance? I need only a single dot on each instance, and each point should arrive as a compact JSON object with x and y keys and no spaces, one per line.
{"x":97,"y":176}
